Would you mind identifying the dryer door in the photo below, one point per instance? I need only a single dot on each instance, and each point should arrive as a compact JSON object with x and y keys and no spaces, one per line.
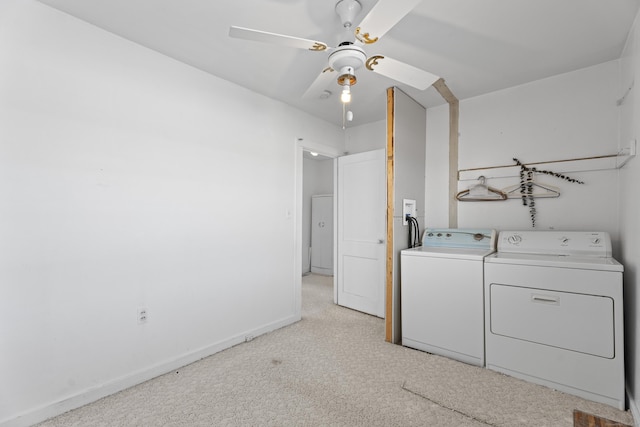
{"x":571,"y":321}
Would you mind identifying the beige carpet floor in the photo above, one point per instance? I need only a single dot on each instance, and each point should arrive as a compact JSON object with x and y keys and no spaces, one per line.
{"x":333,"y":368}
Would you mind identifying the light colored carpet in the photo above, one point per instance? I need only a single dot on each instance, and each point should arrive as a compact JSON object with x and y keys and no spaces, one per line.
{"x":333,"y":368}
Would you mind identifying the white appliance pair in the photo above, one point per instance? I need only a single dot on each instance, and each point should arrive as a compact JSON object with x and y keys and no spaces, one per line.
{"x":547,"y":307}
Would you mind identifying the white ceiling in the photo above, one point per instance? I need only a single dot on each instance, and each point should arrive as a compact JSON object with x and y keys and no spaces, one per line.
{"x":477,"y":46}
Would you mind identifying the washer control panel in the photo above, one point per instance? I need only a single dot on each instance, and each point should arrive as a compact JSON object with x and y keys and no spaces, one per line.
{"x":459,"y":238}
{"x":566,"y":243}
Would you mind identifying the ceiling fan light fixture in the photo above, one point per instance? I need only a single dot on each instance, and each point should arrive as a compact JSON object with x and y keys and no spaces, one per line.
{"x":346,"y":59}
{"x":345,"y":96}
{"x":347,"y":76}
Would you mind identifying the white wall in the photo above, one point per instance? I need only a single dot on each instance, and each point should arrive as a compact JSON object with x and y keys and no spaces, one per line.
{"x":567,"y":116}
{"x":128,"y":179}
{"x":409,"y":134}
{"x":436,"y":202}
{"x":367,"y":137}
{"x":317,"y":179}
{"x":629,"y":214}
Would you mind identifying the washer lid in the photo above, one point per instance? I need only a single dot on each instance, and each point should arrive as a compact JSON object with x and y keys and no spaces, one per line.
{"x":558,"y":261}
{"x":470,"y":254}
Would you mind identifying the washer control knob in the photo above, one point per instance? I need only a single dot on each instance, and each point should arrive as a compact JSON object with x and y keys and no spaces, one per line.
{"x":439,"y":234}
{"x":596,"y":241}
{"x":514,"y":239}
{"x":564,"y":240}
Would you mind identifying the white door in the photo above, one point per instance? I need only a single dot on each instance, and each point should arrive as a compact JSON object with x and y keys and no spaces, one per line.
{"x":322,"y":235}
{"x":361,"y":231}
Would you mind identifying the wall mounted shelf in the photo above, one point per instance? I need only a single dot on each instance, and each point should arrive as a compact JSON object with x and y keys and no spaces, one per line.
{"x":582,"y":164}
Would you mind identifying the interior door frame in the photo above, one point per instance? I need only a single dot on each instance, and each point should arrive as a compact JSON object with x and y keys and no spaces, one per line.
{"x":302,"y":145}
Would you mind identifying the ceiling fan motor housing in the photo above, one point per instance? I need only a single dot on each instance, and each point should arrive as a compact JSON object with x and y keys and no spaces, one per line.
{"x":346,"y":60}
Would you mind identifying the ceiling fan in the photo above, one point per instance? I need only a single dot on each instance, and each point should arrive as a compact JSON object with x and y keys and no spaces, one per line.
{"x":349,"y":56}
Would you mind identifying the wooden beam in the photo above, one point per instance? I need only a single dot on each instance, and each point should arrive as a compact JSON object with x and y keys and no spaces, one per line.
{"x":454,"y":118}
{"x":445,"y":92}
{"x":388,"y":312}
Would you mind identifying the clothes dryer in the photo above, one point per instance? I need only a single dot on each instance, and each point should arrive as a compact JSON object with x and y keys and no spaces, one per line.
{"x":554,"y":312}
{"x":442,"y":293}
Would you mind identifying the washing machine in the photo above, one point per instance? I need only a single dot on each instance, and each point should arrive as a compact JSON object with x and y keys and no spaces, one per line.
{"x":442,"y":293}
{"x":554,"y":312}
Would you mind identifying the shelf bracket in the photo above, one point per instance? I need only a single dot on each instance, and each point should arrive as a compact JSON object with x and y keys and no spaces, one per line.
{"x":626,"y":154}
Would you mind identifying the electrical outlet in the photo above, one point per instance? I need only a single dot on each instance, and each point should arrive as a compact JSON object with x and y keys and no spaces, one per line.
{"x":143,"y":315}
{"x":408,"y":208}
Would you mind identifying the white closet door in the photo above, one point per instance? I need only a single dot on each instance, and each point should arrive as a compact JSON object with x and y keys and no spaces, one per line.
{"x":322,"y":234}
{"x":361,"y":231}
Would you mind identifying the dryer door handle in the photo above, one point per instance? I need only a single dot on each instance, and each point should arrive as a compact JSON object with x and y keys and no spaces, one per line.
{"x":545,"y":299}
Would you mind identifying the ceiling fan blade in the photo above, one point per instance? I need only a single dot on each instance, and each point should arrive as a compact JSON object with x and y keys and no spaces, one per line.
{"x":280,"y":39}
{"x":384,"y":15}
{"x":320,"y":84}
{"x":404,"y":73}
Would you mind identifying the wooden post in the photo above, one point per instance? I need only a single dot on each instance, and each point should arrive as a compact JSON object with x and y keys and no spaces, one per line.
{"x":388,"y":315}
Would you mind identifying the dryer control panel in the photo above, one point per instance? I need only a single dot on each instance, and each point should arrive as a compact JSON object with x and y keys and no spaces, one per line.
{"x":567,"y":243}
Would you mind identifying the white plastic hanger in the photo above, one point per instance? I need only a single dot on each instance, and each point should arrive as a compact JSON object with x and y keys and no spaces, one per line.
{"x":481,"y":193}
{"x":538,"y":189}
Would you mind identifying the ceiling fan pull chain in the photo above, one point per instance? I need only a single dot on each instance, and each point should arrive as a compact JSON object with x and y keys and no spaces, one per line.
{"x":344,"y":116}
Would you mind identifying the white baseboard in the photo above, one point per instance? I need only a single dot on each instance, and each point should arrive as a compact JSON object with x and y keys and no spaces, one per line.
{"x":89,"y":395}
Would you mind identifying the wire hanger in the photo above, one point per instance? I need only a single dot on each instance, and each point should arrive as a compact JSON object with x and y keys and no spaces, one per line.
{"x":481,"y":193}
{"x":538,"y":190}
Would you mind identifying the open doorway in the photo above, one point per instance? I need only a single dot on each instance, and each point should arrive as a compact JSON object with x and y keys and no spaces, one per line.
{"x":317,"y":214}
{"x":316,"y":184}
{"x":317,"y":230}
